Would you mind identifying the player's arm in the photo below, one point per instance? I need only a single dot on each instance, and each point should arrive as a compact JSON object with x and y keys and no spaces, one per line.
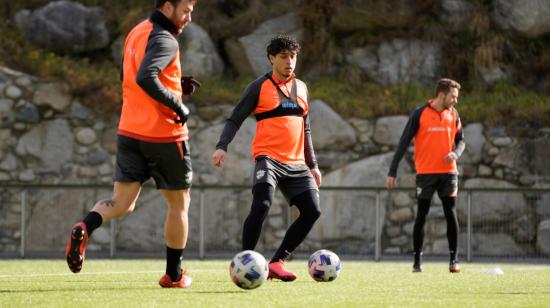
{"x":406,"y":137}
{"x":161,"y":49}
{"x":309,"y":152}
{"x":459,"y":142}
{"x":244,"y":108}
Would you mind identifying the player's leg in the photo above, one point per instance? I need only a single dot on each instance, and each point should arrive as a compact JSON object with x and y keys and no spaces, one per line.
{"x":122,"y":203}
{"x":262,"y":197}
{"x":447,"y":193}
{"x":170,"y":167}
{"x":308,"y":206}
{"x":130,"y":172}
{"x":265,"y":180}
{"x":425,"y":187}
{"x":176,"y":228}
{"x":298,"y":186}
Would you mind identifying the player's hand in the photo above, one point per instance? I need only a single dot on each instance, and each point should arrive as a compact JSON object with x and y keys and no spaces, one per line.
{"x":317,"y":176}
{"x":451,"y":157}
{"x":218,"y":157}
{"x":183,"y":114}
{"x":189,"y":85}
{"x":390,"y":182}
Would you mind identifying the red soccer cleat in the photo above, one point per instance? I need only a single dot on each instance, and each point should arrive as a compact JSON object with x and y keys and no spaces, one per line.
{"x":184,"y":282}
{"x":76,"y":247}
{"x":277,"y":271}
{"x":454,"y":267}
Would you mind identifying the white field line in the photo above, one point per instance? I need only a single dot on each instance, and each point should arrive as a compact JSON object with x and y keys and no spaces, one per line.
{"x":24,"y":275}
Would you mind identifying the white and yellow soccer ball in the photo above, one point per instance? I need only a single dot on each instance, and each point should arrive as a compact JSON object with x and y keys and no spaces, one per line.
{"x":248,"y":269}
{"x":324,"y":265}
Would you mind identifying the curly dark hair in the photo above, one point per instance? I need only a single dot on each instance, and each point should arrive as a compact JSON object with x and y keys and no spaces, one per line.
{"x":281,"y":43}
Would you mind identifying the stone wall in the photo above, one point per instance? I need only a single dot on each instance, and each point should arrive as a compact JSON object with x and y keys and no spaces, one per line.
{"x":48,"y":137}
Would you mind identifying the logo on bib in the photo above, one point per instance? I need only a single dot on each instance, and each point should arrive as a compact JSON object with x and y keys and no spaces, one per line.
{"x":260,"y":174}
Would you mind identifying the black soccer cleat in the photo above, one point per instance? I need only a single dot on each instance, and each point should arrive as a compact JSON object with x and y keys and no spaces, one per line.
{"x":76,"y":247}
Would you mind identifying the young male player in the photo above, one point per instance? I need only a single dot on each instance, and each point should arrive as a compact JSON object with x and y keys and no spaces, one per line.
{"x":282,"y":150}
{"x":152,"y":137}
{"x":438,"y":143}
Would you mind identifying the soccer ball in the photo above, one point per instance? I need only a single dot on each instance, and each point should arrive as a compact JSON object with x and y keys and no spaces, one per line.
{"x":248,"y":269}
{"x":324,"y":265}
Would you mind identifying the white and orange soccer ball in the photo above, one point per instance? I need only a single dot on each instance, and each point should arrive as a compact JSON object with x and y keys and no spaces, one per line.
{"x":248,"y":269}
{"x":324,"y":265}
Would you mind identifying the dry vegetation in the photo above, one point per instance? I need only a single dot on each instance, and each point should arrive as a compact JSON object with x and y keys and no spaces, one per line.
{"x":331,"y":27}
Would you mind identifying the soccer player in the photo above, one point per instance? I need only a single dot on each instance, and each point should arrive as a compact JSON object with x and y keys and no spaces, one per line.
{"x":282,"y":150}
{"x":438,"y":143}
{"x":152,"y":137}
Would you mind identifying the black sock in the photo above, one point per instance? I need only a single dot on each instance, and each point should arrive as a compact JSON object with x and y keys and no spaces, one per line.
{"x":173,"y":263}
{"x":92,"y":221}
{"x":453,"y":256}
{"x":418,"y":257}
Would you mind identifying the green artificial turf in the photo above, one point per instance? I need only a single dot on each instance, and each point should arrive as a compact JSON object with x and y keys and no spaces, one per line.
{"x":134,"y":283}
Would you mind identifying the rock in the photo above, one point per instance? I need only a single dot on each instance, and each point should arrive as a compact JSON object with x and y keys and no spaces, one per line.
{"x":492,"y":207}
{"x":235,"y":50}
{"x":401,"y":215}
{"x":502,"y":141}
{"x":358,"y":217}
{"x":50,"y":141}
{"x":28,"y":113}
{"x":238,"y":165}
{"x":9,"y":163}
{"x":393,"y":231}
{"x":86,"y":136}
{"x":198,"y":55}
{"x":53,"y":95}
{"x":501,"y":245}
{"x":64,"y":27}
{"x":399,"y":61}
{"x":473,"y":134}
{"x":101,"y":235}
{"x":13,"y":92}
{"x":27,"y":176}
{"x":526,"y":155}
{"x":456,"y":12}
{"x":61,"y":208}
{"x":388,"y":130}
{"x":257,"y":41}
{"x":493,"y":151}
{"x":401,"y":199}
{"x":79,"y":111}
{"x":6,"y":105}
{"x":485,"y":171}
{"x":529,"y":18}
{"x":97,"y":156}
{"x":524,"y":229}
{"x":339,"y":135}
{"x":543,"y":237}
{"x":493,"y":74}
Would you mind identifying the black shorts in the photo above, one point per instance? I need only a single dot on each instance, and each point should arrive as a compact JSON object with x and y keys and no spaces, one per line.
{"x":291,"y":179}
{"x":168,"y":163}
{"x":446,"y":185}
